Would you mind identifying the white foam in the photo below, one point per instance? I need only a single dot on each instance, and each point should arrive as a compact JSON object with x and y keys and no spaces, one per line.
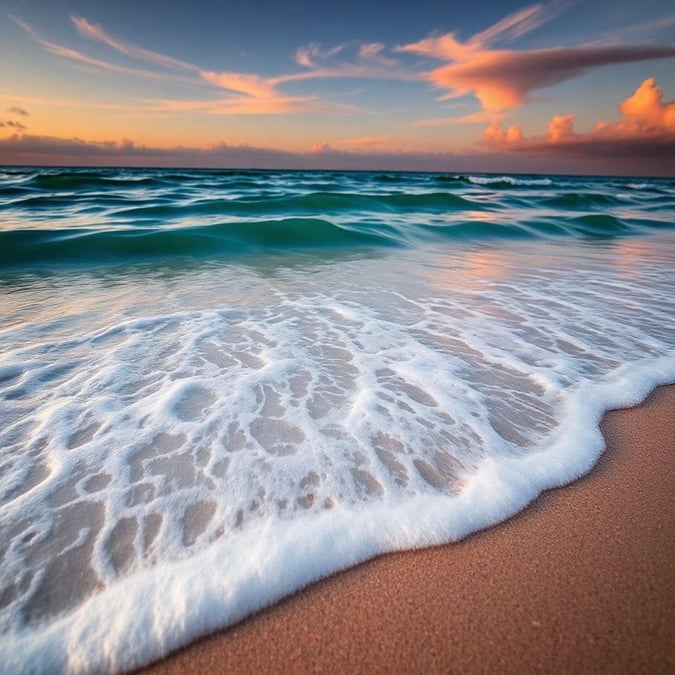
{"x":512,"y":180}
{"x":246,"y":431}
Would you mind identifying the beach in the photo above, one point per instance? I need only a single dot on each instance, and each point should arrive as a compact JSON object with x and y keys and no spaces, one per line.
{"x":220,"y":387}
{"x":580,"y":581}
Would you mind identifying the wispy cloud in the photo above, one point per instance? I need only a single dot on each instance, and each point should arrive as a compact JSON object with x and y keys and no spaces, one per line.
{"x":472,"y":118}
{"x":368,"y":61}
{"x":246,"y":93}
{"x":644,"y":30}
{"x":81,"y":58}
{"x":15,"y":110}
{"x":99,"y":34}
{"x":242,"y":105}
{"x":502,"y":78}
{"x":308,"y":55}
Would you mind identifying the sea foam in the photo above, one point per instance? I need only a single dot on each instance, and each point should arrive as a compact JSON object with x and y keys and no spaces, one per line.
{"x":183,"y":444}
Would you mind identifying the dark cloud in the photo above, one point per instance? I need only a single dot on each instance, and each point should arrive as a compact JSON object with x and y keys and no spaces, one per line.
{"x":13,"y":125}
{"x":659,"y":150}
{"x":14,"y":110}
{"x":627,"y":159}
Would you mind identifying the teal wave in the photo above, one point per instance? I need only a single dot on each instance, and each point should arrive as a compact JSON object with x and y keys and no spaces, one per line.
{"x":95,"y":215}
{"x":20,"y":247}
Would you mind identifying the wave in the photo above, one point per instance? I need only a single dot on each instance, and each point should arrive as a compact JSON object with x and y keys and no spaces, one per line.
{"x":44,"y":246}
{"x":509,"y":181}
{"x":109,"y":214}
{"x":496,"y":182}
{"x":188,"y":442}
{"x":308,"y":204}
{"x":79,"y":180}
{"x":80,"y":245}
{"x":581,"y":200}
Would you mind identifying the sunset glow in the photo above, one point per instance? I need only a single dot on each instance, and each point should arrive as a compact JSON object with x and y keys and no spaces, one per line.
{"x":507,"y":87}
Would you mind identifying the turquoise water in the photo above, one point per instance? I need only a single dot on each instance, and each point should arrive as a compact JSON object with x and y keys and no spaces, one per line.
{"x":95,"y":216}
{"x":219,"y":386}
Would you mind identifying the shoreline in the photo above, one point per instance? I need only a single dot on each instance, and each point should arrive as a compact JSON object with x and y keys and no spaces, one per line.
{"x":579,"y":581}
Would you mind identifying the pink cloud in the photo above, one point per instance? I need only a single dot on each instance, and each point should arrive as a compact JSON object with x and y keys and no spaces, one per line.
{"x":252,"y":85}
{"x":645,"y":133}
{"x":472,"y":118}
{"x":503,"y":78}
{"x":494,"y":134}
{"x":561,"y":129}
{"x":242,"y":105}
{"x":308,"y":56}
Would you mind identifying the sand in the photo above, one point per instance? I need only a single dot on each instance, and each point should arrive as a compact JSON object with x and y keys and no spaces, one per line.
{"x":582,"y":581}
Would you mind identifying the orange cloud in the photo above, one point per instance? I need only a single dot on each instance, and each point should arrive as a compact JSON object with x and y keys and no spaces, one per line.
{"x":561,"y":128}
{"x":241,"y":105}
{"x":646,"y":130}
{"x":256,"y":95}
{"x":494,"y":134}
{"x":241,"y":82}
{"x":472,"y":118}
{"x":502,"y":78}
{"x":645,"y":110}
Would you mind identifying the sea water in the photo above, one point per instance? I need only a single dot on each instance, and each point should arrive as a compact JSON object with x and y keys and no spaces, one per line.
{"x":219,"y":386}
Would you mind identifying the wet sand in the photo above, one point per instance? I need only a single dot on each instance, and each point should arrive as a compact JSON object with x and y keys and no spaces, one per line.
{"x":582,"y":581}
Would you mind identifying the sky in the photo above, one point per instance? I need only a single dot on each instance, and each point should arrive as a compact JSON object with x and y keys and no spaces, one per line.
{"x":567,"y":86}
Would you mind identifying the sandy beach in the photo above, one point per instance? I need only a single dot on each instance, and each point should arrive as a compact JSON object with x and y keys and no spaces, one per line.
{"x":581,"y":581}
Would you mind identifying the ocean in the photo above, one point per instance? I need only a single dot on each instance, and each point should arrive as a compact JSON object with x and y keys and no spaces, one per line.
{"x":219,"y":386}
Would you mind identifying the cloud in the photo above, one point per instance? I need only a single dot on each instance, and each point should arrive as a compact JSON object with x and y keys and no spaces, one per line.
{"x":645,"y":111}
{"x":247,"y":93}
{"x":645,"y":132}
{"x":43,"y":150}
{"x":368,"y":61}
{"x":561,"y":129}
{"x":77,"y":56}
{"x":12,"y":124}
{"x":374,"y":52}
{"x":240,"y":105}
{"x":15,"y":110}
{"x":97,"y":33}
{"x":519,"y":23}
{"x":252,"y":85}
{"x":308,"y":55}
{"x":322,"y":149}
{"x":266,"y":99}
{"x":252,"y":95}
{"x":501,"y":78}
{"x":472,"y":118}
{"x":647,"y":29}
{"x":494,"y":134}
{"x":512,"y":26}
